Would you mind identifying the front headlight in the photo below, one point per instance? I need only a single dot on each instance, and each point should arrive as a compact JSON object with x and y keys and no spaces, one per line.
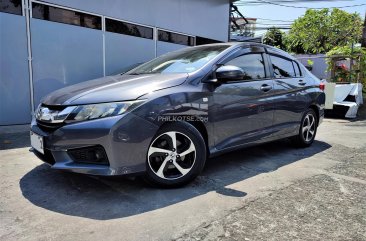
{"x":95,"y":111}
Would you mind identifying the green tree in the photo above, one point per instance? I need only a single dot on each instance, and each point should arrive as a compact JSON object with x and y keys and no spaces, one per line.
{"x":275,"y":38}
{"x":319,"y":31}
{"x":359,"y":60}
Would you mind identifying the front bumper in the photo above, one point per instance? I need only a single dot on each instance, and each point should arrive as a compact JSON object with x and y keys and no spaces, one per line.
{"x":125,"y":140}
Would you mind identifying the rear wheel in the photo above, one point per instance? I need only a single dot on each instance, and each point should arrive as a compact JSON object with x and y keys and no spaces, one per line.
{"x":176,"y":155}
{"x":308,"y":128}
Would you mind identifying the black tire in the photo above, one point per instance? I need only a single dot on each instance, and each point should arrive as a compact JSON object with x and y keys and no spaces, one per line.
{"x":194,"y":161}
{"x":305,"y":139}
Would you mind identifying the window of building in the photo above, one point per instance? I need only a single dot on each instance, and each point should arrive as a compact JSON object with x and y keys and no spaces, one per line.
{"x":282,"y":68}
{"x":251,"y":64}
{"x":129,"y":29}
{"x":60,"y":15}
{"x":175,"y":38}
{"x":202,"y":40}
{"x":11,"y":6}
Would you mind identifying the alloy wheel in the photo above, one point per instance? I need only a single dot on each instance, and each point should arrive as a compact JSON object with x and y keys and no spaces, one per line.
{"x":309,"y":127}
{"x":171,"y":155}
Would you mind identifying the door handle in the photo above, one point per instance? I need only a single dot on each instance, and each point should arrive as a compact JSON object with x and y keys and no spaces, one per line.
{"x":301,"y":82}
{"x":266,"y":88}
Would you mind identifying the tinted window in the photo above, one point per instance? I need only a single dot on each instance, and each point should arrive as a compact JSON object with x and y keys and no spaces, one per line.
{"x":282,"y":68}
{"x":182,"y":61}
{"x":11,"y":6}
{"x":202,"y":40}
{"x":128,"y":29}
{"x":252,"y":64}
{"x":60,"y":15}
{"x":175,"y":38}
{"x":297,"y":69}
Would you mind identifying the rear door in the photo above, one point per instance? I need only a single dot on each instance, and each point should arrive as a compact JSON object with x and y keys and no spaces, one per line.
{"x":290,"y":94}
{"x":242,"y":111}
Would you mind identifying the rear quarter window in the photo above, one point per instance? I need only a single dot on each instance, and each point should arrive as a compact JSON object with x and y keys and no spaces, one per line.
{"x":297,"y":69}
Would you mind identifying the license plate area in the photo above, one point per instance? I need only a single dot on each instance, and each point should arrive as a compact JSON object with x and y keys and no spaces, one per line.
{"x":37,"y":142}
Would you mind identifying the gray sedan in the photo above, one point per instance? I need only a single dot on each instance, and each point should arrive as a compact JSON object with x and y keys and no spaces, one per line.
{"x":164,"y":118}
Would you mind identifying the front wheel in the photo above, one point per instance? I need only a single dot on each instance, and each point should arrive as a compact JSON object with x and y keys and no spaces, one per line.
{"x":308,"y":128}
{"x":176,"y":155}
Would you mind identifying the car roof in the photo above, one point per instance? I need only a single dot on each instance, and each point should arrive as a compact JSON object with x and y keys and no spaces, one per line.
{"x":271,"y":49}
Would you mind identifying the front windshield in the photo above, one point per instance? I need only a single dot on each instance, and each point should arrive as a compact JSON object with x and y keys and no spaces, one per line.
{"x":184,"y":61}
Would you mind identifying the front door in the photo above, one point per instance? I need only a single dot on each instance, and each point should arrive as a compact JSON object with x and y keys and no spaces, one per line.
{"x":242,"y":111}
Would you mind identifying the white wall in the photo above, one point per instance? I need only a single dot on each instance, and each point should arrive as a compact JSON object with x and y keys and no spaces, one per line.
{"x":14,"y":81}
{"x":319,"y":67}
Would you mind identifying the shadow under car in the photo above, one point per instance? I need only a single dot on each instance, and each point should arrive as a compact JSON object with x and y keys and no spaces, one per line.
{"x":103,"y":198}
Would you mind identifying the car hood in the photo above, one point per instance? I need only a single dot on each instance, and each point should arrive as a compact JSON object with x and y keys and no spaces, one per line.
{"x":113,"y":88}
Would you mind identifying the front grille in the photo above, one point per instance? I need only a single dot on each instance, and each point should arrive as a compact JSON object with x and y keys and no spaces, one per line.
{"x":47,"y":126}
{"x":89,"y":155}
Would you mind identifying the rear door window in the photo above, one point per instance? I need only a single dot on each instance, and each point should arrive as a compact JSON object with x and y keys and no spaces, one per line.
{"x":282,"y":68}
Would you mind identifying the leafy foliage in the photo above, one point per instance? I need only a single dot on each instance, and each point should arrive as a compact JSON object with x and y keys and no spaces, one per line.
{"x":318,"y":31}
{"x":275,"y":38}
{"x":359,"y":56}
{"x":310,"y":62}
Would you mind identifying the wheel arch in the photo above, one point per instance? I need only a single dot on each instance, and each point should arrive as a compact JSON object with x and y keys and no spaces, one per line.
{"x":198,"y":125}
{"x":315,"y":108}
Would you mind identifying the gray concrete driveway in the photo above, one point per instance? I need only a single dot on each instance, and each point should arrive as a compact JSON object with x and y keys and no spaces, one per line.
{"x":269,"y":192}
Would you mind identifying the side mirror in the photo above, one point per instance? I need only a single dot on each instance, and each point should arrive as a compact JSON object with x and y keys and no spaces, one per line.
{"x":229,"y":72}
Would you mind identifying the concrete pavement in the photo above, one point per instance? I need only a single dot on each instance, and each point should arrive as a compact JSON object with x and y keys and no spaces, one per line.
{"x":268,"y":192}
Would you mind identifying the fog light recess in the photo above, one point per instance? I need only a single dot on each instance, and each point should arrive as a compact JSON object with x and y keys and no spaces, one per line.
{"x":89,"y":155}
